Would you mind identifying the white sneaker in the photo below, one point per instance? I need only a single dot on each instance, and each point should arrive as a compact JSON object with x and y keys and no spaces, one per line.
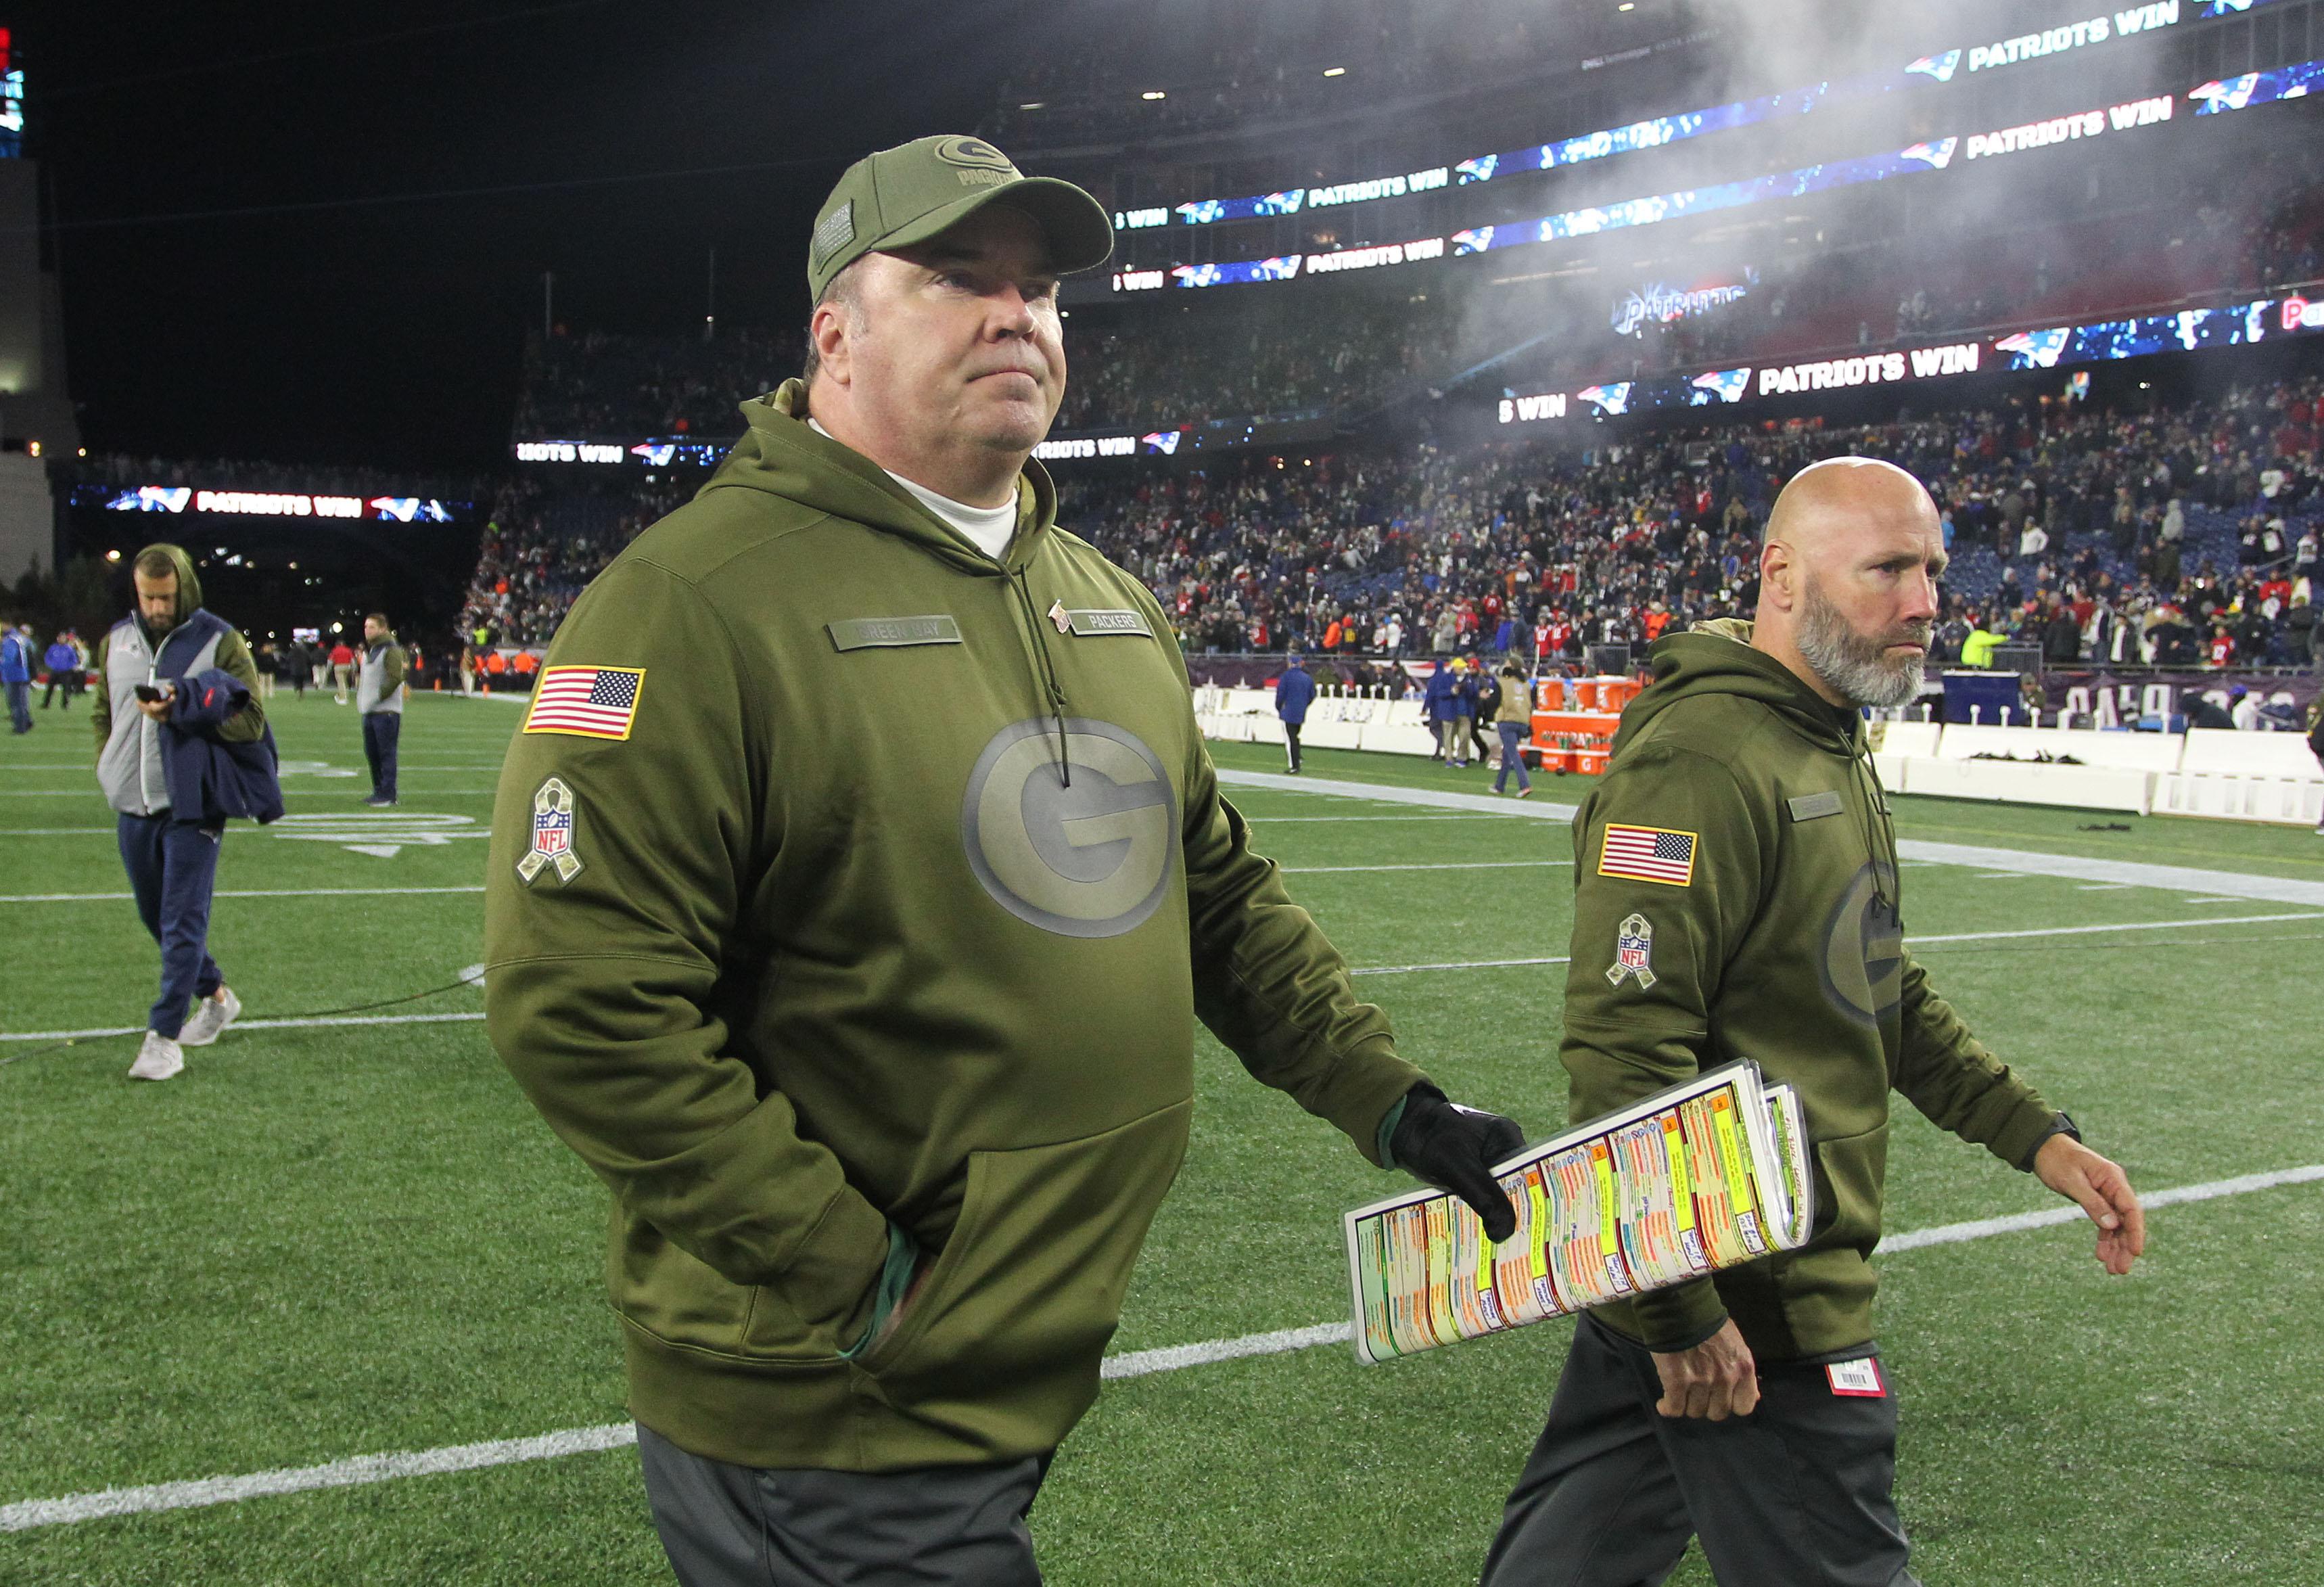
{"x":210,"y":1016}
{"x":158,"y":1059}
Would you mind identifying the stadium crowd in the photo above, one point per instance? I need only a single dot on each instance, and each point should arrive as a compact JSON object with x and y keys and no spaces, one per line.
{"x":595,"y":384}
{"x":2184,"y":535}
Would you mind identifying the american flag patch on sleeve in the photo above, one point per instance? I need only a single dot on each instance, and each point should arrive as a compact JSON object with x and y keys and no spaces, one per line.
{"x":589,"y":702}
{"x":1647,"y":853}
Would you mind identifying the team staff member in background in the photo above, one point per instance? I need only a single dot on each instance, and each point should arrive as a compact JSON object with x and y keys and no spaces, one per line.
{"x":880,"y":1028}
{"x":176,"y":761}
{"x":2316,"y":739}
{"x":1442,"y":701}
{"x":1736,"y":896}
{"x":1484,"y":706}
{"x":1513,"y":721}
{"x":343,"y":666}
{"x":379,"y":697}
{"x":1295,"y":691}
{"x":63,"y":662}
{"x":16,"y":674}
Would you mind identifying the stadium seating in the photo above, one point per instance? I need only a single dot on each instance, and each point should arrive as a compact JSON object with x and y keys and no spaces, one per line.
{"x":1259,"y":553}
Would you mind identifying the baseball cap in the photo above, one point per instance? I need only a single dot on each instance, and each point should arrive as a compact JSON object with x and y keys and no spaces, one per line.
{"x":916,"y":190}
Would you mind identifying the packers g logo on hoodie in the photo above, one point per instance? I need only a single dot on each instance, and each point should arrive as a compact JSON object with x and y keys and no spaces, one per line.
{"x":1864,"y":948}
{"x":1092,"y":859}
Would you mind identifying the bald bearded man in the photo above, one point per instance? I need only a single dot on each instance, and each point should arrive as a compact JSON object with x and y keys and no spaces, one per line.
{"x":1750,"y":1408}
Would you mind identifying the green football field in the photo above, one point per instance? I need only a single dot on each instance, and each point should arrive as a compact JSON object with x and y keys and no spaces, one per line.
{"x":347,"y":1235}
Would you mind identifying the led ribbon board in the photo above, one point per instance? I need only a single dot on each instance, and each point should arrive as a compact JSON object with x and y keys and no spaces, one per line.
{"x":1660,"y":132}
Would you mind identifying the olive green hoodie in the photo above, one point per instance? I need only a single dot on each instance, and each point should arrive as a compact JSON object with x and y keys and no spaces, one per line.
{"x":891,"y":914}
{"x":1784,"y":945}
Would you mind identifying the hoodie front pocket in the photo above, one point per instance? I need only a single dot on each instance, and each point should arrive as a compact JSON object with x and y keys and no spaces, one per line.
{"x":1850,"y":1172}
{"x":1032,"y":1278}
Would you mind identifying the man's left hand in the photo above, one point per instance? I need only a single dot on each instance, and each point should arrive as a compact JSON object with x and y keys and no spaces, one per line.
{"x":1455,"y":1148}
{"x":2101,"y":1189}
{"x":159,"y":710}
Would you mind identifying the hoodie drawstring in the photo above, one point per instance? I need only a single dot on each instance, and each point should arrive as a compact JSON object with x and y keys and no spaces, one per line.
{"x":1887,"y":824}
{"x":1048,"y":673}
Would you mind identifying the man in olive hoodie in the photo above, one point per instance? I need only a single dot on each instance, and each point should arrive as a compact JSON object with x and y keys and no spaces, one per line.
{"x":880,"y":1027}
{"x":1740,"y":854}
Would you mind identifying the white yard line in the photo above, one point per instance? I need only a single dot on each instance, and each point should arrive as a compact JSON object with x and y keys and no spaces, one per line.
{"x":251,"y":1025}
{"x":1359,"y":970}
{"x":1917,"y":942}
{"x":360,"y":1470}
{"x":274,"y":892}
{"x":1367,"y":870}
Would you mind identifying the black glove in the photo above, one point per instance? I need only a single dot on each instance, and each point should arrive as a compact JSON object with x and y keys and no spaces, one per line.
{"x":1455,"y":1148}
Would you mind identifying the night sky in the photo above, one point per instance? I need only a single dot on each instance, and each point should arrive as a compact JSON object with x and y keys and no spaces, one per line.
{"x":392,"y":333}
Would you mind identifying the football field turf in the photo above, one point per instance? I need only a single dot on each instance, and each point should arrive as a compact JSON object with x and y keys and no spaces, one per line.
{"x":347,"y":1235}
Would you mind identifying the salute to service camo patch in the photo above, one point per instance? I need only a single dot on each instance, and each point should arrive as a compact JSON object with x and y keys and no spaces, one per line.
{"x":1634,"y":951}
{"x":552,"y":836}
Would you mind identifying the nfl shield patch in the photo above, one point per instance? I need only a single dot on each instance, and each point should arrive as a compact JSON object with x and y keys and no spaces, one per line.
{"x":1634,"y":951}
{"x":552,"y":836}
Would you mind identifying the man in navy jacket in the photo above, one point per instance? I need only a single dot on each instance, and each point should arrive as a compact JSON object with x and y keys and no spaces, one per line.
{"x":183,"y":746}
{"x":1295,"y":691}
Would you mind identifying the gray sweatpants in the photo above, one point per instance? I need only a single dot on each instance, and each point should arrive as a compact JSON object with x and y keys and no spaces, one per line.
{"x":1797,"y":1494}
{"x":729,"y":1525}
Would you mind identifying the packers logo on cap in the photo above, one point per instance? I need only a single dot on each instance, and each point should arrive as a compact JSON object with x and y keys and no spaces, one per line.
{"x":974,"y":152}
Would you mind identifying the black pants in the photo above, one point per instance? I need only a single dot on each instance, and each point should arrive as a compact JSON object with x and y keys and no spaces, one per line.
{"x":1797,"y":1494}
{"x":1291,"y":742}
{"x":729,"y":1525}
{"x":381,"y":730}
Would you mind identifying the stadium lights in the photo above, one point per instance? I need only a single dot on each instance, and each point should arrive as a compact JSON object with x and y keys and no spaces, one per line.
{"x":113,"y":555}
{"x":1154,"y":94}
{"x":1627,"y":5}
{"x":1335,"y":72}
{"x":1033,"y":105}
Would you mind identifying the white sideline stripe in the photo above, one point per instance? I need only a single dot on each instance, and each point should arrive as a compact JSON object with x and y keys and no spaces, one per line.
{"x":2118,"y":926}
{"x":250,"y":1025}
{"x":1389,"y":793}
{"x":1263,"y":820}
{"x":1994,"y":862}
{"x":2243,"y":885}
{"x":359,"y":1470}
{"x":1361,"y":970}
{"x":275,"y":893}
{"x":2101,"y":886}
{"x":1347,"y":870}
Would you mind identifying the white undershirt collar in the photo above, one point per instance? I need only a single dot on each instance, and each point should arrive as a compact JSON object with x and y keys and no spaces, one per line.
{"x":988,"y":529}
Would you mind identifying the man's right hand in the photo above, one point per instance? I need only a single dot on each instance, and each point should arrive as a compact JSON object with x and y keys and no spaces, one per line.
{"x":1716,"y":1379}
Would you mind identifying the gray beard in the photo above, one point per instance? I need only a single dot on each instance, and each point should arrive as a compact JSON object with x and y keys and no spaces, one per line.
{"x":1852,"y":666}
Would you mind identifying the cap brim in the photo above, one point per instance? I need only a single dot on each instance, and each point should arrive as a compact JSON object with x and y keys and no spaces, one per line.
{"x":1079,"y":233}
